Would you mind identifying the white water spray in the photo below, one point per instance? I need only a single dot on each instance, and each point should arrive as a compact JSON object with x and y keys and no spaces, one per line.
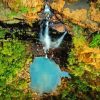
{"x":56,"y":43}
{"x":45,"y":38}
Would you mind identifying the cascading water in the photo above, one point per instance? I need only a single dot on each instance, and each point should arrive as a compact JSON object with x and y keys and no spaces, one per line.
{"x":45,"y":38}
{"x":56,"y":43}
{"x":45,"y":73}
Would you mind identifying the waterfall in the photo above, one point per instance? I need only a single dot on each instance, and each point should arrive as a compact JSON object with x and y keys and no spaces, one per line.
{"x":44,"y":36}
{"x":56,"y":43}
{"x":47,"y":40}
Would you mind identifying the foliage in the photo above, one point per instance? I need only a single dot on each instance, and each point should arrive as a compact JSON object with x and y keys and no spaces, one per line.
{"x":85,"y":76}
{"x":12,"y":59}
{"x":95,"y":41}
{"x":82,"y":50}
{"x":24,"y":9}
{"x":27,"y":9}
{"x":11,"y":15}
{"x":2,"y":33}
{"x":75,"y":90}
{"x":16,"y":90}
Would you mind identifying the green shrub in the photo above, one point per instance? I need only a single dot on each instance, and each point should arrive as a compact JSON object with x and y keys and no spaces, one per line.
{"x":84,"y":83}
{"x":12,"y":59}
{"x":95,"y":41}
{"x":2,"y":33}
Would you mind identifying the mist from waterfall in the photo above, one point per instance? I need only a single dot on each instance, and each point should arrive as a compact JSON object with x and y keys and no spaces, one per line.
{"x":44,"y":35}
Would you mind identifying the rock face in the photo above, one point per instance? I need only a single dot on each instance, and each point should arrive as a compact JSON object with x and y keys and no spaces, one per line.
{"x":87,"y":16}
{"x":15,"y":10}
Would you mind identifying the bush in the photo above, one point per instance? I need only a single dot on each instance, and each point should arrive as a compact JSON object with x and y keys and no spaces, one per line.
{"x":12,"y":59}
{"x":84,"y":84}
{"x":95,"y":41}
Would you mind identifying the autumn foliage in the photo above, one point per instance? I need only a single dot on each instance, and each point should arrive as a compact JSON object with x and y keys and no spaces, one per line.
{"x":84,"y":52}
{"x":87,"y":18}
